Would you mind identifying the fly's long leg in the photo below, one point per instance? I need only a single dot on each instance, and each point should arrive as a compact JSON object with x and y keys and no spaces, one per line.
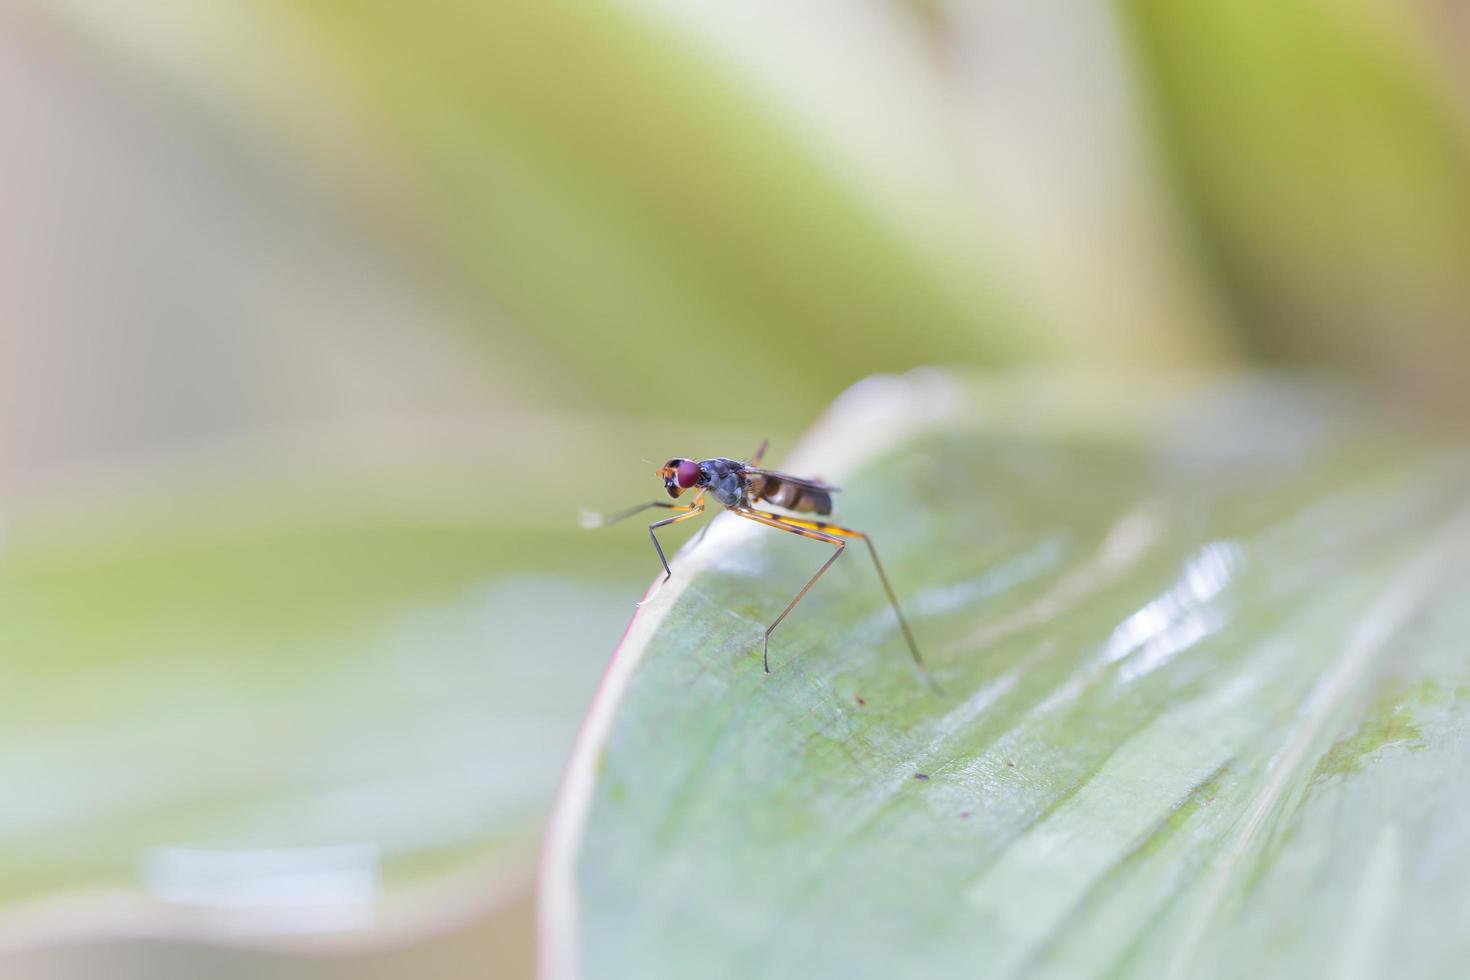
{"x":760,"y":453}
{"x":693,"y":510}
{"x":769,"y":520}
{"x":823,"y":531}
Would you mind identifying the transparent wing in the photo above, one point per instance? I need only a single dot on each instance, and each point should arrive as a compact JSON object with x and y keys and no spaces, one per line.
{"x":793,"y":480}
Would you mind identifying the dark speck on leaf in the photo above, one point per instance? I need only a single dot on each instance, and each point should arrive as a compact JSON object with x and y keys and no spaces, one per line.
{"x":922,"y":776}
{"x":862,"y":701}
{"x":964,"y":814}
{"x":1010,"y":763}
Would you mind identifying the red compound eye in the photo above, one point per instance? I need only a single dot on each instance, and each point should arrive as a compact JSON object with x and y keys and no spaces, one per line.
{"x":688,"y":473}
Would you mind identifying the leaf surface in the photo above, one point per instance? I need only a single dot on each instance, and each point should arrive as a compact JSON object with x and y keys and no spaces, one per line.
{"x":1202,"y":651}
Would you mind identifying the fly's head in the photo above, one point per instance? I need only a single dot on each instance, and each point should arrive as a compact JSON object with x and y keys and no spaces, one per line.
{"x":679,"y":475}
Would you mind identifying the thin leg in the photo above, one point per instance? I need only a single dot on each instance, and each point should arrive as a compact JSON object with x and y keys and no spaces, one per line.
{"x":693,"y":510}
{"x":768,"y":520}
{"x":822,"y":530}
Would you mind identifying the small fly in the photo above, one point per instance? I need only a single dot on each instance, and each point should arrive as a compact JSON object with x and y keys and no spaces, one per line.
{"x":738,"y":487}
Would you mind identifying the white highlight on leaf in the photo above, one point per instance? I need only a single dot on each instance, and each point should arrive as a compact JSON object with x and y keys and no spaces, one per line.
{"x":1180,"y":617}
{"x":282,"y":890}
{"x":1167,"y":625}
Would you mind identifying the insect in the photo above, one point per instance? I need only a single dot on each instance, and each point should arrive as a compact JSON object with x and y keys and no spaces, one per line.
{"x":738,"y":487}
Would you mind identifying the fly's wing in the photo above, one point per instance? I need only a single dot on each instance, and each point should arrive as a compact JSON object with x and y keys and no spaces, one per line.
{"x":776,"y":475}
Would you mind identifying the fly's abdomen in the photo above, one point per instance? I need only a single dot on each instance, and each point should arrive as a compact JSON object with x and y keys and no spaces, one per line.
{"x":789,"y":496}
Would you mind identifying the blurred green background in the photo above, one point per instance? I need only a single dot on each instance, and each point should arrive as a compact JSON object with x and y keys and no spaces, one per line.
{"x":319,"y":321}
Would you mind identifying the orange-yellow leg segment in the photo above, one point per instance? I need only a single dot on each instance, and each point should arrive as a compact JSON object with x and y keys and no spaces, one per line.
{"x":769,"y":520}
{"x":832,"y":534}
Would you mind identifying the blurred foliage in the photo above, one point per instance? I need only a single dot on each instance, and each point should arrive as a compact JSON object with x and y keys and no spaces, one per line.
{"x":252,"y":671}
{"x":1326,"y":157}
{"x":658,"y":231}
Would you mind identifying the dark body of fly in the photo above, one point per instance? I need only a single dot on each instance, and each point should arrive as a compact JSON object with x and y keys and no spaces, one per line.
{"x":739,"y":487}
{"x":737,"y":484}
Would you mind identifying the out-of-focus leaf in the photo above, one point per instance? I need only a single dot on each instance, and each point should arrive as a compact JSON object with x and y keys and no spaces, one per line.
{"x":1204,"y":709}
{"x":245,"y":705}
{"x":1327,"y":158}
{"x":622,"y":200}
{"x":1008,"y":136}
{"x":801,"y":193}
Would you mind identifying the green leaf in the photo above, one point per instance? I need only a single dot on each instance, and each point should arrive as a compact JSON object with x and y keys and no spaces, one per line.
{"x":699,"y":225}
{"x":1322,"y":149}
{"x":205,"y":667}
{"x":1206,"y":703}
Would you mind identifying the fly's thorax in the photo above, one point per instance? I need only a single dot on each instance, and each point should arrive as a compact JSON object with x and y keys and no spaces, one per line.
{"x":723,"y":477}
